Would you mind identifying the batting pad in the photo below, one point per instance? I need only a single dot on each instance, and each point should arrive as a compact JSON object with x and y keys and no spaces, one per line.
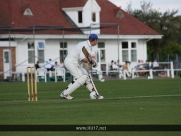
{"x":89,"y":86}
{"x":69,"y":85}
{"x":71,"y":88}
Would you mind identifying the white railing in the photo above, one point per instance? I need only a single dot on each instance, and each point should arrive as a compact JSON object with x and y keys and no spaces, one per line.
{"x":22,"y":75}
{"x":169,"y":72}
{"x":122,"y":74}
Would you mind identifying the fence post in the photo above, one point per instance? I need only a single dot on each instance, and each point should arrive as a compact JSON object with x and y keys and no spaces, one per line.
{"x":132,"y":73}
{"x":23,"y":76}
{"x":107,"y":69}
{"x":120,"y":73}
{"x":168,"y":73}
{"x":177,"y":62}
{"x":172,"y":70}
{"x":124,"y":75}
{"x":151,"y":73}
{"x":100,"y":75}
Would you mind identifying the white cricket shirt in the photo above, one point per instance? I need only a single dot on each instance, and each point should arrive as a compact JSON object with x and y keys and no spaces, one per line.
{"x":76,"y":54}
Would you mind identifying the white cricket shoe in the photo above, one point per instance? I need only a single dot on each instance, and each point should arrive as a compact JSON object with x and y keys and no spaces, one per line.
{"x":66,"y":96}
{"x":100,"y":97}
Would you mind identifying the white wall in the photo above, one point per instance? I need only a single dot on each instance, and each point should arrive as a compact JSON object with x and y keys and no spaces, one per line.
{"x":111,"y":49}
{"x":142,"y":50}
{"x":52,"y":50}
{"x":21,"y":56}
{"x":8,"y":44}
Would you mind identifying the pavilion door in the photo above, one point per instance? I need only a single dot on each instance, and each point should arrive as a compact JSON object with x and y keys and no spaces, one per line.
{"x":7,"y":63}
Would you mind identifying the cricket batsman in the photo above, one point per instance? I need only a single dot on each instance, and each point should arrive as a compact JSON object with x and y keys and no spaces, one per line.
{"x":73,"y":63}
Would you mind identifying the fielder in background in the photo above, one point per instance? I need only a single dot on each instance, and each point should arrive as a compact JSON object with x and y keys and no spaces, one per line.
{"x":73,"y":63}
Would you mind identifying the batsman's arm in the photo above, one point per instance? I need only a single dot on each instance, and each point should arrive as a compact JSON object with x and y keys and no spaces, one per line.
{"x":94,"y":63}
{"x":85,"y":60}
{"x":90,"y":59}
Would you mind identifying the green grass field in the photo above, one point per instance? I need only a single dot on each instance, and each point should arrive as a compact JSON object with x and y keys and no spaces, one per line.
{"x":136,"y":102}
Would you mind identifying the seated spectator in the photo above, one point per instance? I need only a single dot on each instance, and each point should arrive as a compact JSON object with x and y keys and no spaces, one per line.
{"x":51,"y":62}
{"x":156,"y":66}
{"x":49,"y":65}
{"x":56,"y":65}
{"x":140,"y":66}
{"x":126,"y":68}
{"x":61,"y":65}
{"x":146,"y":65}
{"x":115,"y":66}
{"x":112,"y":62}
{"x":37,"y":65}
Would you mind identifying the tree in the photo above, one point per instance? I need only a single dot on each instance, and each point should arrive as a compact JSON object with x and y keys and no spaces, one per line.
{"x":167,"y":24}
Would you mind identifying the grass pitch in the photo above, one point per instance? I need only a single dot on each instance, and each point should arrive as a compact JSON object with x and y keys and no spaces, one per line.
{"x":156,"y":101}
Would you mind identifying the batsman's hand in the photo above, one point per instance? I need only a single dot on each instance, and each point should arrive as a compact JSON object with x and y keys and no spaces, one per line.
{"x":86,"y":66}
{"x":94,"y":64}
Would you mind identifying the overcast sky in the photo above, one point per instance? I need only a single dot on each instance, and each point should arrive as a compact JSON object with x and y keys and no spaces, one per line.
{"x":161,"y":5}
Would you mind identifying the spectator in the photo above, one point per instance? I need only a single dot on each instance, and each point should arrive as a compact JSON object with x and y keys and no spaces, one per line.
{"x":115,"y":66}
{"x":51,"y":62}
{"x":112,"y":62}
{"x":146,"y":65}
{"x":156,"y":66}
{"x":61,"y":65}
{"x":140,"y":66}
{"x":126,"y":68}
{"x":56,"y":65}
{"x":37,"y":65}
{"x":49,"y":65}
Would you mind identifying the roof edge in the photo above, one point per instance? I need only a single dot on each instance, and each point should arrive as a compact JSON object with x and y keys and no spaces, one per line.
{"x":82,"y":36}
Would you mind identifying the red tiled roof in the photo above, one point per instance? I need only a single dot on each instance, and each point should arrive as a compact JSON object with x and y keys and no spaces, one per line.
{"x":5,"y":16}
{"x":129,"y":25}
{"x":49,"y":13}
{"x":45,"y":13}
{"x":72,"y":3}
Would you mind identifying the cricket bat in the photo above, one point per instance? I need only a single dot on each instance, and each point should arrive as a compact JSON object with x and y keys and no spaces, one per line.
{"x":87,"y":55}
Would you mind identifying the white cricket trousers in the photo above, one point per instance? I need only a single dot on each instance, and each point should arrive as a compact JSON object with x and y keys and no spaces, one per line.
{"x":74,"y":68}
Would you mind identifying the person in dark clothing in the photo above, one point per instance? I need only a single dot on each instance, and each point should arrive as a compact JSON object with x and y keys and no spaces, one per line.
{"x":37,"y":65}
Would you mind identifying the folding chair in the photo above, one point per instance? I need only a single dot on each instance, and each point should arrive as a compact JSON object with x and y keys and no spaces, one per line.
{"x":60,"y":72}
{"x":41,"y":73}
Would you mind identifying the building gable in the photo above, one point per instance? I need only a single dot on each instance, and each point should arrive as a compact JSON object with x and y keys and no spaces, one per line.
{"x":120,"y":14}
{"x":92,"y":5}
{"x":84,"y":16}
{"x":28,"y":12}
